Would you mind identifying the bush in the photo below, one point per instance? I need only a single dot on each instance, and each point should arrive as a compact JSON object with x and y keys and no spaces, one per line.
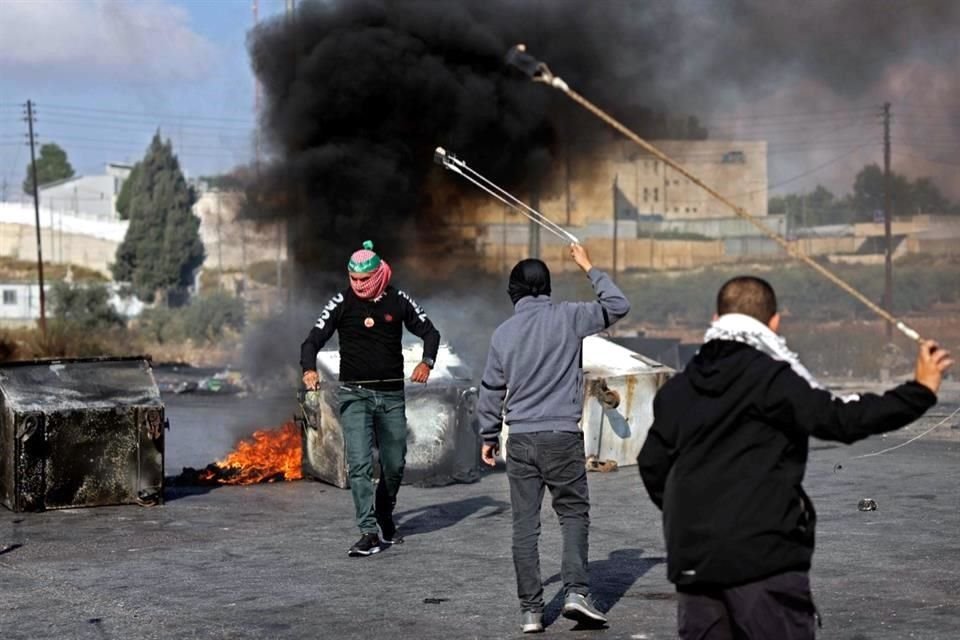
{"x":85,"y":307}
{"x":209,"y":317}
{"x":162,"y":325}
{"x":205,"y":320}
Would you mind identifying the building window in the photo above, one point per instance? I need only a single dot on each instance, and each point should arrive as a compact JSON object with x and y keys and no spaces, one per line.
{"x":9,"y":296}
{"x":656,"y":194}
{"x":646,"y":193}
{"x":676,"y":182}
{"x":734,"y":157}
{"x":676,"y":209}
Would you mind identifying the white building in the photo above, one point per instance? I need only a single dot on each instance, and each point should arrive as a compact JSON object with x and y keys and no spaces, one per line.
{"x":92,"y":197}
{"x":20,"y":302}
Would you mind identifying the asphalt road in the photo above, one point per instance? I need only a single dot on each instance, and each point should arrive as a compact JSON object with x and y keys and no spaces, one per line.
{"x":270,"y":561}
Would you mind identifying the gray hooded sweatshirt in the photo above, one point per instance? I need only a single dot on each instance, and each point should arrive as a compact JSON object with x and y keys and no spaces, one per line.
{"x":535,"y":362}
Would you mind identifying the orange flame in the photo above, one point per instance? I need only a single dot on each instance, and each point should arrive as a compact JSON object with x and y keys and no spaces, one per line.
{"x":269,"y":455}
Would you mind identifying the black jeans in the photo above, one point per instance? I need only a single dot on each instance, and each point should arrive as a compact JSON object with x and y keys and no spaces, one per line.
{"x":776,"y":607}
{"x":553,"y":460}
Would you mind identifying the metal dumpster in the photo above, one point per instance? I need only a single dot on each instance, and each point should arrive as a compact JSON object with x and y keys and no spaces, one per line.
{"x":618,"y":407}
{"x":79,"y":433}
{"x":619,"y":386}
{"x":443,"y":444}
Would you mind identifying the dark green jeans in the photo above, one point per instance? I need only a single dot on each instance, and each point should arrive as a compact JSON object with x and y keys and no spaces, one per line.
{"x":373,"y":418}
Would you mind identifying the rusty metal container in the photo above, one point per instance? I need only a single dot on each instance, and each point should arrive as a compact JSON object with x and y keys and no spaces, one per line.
{"x":618,"y":407}
{"x":443,"y":443}
{"x":80,"y":433}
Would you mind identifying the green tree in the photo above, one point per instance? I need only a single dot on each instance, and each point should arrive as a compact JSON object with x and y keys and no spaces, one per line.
{"x":84,"y":306}
{"x":162,"y":249}
{"x":126,"y":192}
{"x":52,"y":165}
{"x":926,"y":197}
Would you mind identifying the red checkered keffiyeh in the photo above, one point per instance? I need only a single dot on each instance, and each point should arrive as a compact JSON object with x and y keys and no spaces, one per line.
{"x":366,"y":261}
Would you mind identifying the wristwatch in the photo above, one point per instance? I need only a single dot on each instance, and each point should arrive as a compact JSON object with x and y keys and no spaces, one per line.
{"x":428,"y":361}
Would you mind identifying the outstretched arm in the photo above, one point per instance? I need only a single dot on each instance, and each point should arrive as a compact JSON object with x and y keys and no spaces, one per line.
{"x":611,"y":304}
{"x":792,"y":403}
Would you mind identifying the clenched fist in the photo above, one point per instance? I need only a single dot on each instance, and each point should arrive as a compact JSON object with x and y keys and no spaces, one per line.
{"x":579,"y":255}
{"x":932,"y":362}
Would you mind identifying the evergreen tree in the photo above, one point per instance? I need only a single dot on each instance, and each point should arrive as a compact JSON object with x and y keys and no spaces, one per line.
{"x":52,"y":165}
{"x":162,"y":249}
{"x":123,"y":198}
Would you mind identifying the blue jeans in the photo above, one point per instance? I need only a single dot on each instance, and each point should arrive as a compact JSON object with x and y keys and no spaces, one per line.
{"x":551,"y":460}
{"x":373,"y":418}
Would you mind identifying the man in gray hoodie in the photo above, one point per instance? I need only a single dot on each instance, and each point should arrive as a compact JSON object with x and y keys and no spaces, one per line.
{"x":534,"y":381}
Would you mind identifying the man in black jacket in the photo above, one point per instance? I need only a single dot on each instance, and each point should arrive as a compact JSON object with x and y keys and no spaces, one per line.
{"x":370,"y":316}
{"x":725,"y":459}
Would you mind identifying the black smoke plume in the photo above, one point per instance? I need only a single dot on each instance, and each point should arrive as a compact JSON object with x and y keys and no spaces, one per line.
{"x":358,"y":93}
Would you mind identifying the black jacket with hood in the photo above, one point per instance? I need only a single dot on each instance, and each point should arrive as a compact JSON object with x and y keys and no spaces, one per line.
{"x":726,"y":456}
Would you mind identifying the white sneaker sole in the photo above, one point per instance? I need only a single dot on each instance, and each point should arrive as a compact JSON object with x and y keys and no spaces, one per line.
{"x":578,"y":612}
{"x":363,"y":554}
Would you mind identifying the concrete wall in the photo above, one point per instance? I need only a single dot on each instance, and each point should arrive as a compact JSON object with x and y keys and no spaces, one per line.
{"x":20,"y":241}
{"x":712,"y":227}
{"x":632,"y":254}
{"x":935,"y":246}
{"x":826,"y":245}
{"x":232,"y":244}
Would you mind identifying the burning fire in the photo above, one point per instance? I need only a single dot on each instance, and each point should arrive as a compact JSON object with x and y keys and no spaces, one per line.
{"x":270,"y":455}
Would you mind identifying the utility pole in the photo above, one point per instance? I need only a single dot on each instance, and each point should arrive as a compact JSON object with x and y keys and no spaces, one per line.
{"x":533,"y":242}
{"x":614,"y":270}
{"x":887,"y":215}
{"x":219,"y":240}
{"x":256,"y":97}
{"x":36,"y":211}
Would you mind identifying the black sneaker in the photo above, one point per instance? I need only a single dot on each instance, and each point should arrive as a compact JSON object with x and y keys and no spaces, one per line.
{"x":388,"y":531}
{"x":367,"y":545}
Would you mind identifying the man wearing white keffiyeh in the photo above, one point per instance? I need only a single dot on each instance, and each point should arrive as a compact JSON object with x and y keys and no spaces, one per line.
{"x":738,"y":327}
{"x":725,"y":460}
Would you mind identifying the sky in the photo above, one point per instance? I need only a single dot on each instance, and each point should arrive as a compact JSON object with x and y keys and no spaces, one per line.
{"x":106,"y":74}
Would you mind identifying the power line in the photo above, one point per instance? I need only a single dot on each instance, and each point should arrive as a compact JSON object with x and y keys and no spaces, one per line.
{"x":806,"y":173}
{"x":925,"y":159}
{"x":791,"y":115}
{"x":113,"y":123}
{"x":144,"y":114}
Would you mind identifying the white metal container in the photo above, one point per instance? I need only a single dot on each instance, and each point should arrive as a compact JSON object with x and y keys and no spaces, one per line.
{"x":615,"y":424}
{"x":619,"y":386}
{"x":443,"y":445}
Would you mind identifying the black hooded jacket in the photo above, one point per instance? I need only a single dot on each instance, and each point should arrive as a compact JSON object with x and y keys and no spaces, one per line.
{"x":726,"y":456}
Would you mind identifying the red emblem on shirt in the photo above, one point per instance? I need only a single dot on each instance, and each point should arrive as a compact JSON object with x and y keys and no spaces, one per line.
{"x":388,"y":317}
